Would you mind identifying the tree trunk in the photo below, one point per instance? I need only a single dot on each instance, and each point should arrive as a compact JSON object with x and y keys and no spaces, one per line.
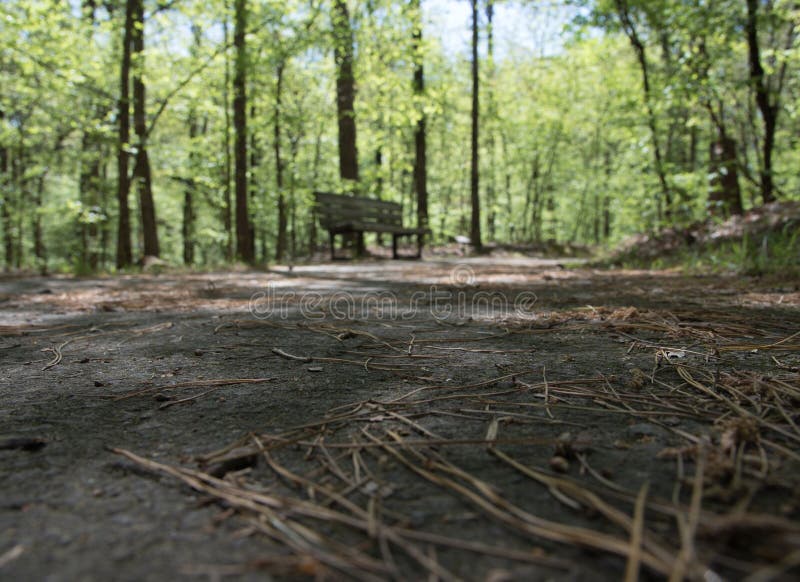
{"x":89,"y":179}
{"x":18,"y":170}
{"x":633,"y":36}
{"x":105,"y":227}
{"x":345,"y":103}
{"x":312,"y":227}
{"x":187,"y":229}
{"x":39,"y":250}
{"x":491,"y":190}
{"x":725,"y":196}
{"x":252,"y":187}
{"x":768,"y":108}
{"x":244,"y":243}
{"x":607,"y":166}
{"x":293,"y":202}
{"x":188,"y":226}
{"x":345,"y":92}
{"x":141,"y":172}
{"x":124,"y":252}
{"x":420,"y":142}
{"x":531,"y":196}
{"x":89,"y":183}
{"x":5,"y":204}
{"x":227,"y":220}
{"x":509,"y":218}
{"x":280,"y":247}
{"x":475,"y":223}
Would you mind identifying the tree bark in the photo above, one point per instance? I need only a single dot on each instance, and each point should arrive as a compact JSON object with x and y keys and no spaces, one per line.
{"x":244,"y":243}
{"x":105,"y":227}
{"x":491,"y":190}
{"x":90,"y":161}
{"x":420,"y":131}
{"x":345,"y":92}
{"x":280,"y":247}
{"x":39,"y":250}
{"x":312,"y":227}
{"x":252,"y":186}
{"x":475,"y":223}
{"x":294,"y":149}
{"x":124,"y":252}
{"x":227,"y":220}
{"x":141,"y":173}
{"x":188,"y":225}
{"x":345,"y":103}
{"x":767,"y":106}
{"x":725,"y":196}
{"x":89,"y":184}
{"x":5,"y":204}
{"x":19,"y":165}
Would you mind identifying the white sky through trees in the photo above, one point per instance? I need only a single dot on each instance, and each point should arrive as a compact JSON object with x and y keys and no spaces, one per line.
{"x":533,"y":27}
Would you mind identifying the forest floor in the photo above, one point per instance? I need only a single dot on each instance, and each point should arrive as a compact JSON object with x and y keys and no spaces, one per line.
{"x":481,"y":419}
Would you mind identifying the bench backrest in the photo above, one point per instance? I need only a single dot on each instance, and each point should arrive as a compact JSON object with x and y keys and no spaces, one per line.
{"x":336,"y":209}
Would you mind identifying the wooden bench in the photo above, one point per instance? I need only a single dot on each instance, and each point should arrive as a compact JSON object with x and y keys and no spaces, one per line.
{"x":342,"y":214}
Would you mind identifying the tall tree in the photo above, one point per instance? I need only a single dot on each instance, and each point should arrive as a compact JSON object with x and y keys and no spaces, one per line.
{"x":345,"y":101}
{"x":245,"y":248}
{"x":124,"y":251}
{"x":91,"y":161}
{"x":724,"y":195}
{"x":631,"y":31}
{"x":420,"y":141}
{"x":475,"y":224}
{"x":190,"y":186}
{"x":345,"y":91}
{"x":227,"y":205}
{"x":491,"y":116}
{"x":189,"y":228}
{"x":5,"y":203}
{"x":254,"y":152}
{"x":767,"y":90}
{"x":280,"y":247}
{"x":142,"y":173}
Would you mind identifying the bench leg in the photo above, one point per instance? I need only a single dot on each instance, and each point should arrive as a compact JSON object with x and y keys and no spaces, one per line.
{"x":361,"y":249}
{"x":394,"y":246}
{"x":333,"y":241}
{"x":420,"y":242}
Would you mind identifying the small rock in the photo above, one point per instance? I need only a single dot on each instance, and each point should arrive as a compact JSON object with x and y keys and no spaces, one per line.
{"x":559,"y":464}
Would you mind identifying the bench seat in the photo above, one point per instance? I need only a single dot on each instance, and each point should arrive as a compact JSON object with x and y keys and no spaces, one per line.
{"x":343,"y":214}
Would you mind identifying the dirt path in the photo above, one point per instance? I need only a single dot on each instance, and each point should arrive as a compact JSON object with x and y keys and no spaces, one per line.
{"x":480,"y":419}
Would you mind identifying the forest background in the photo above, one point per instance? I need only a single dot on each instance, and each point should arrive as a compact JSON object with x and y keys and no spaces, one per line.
{"x":198,"y":131}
